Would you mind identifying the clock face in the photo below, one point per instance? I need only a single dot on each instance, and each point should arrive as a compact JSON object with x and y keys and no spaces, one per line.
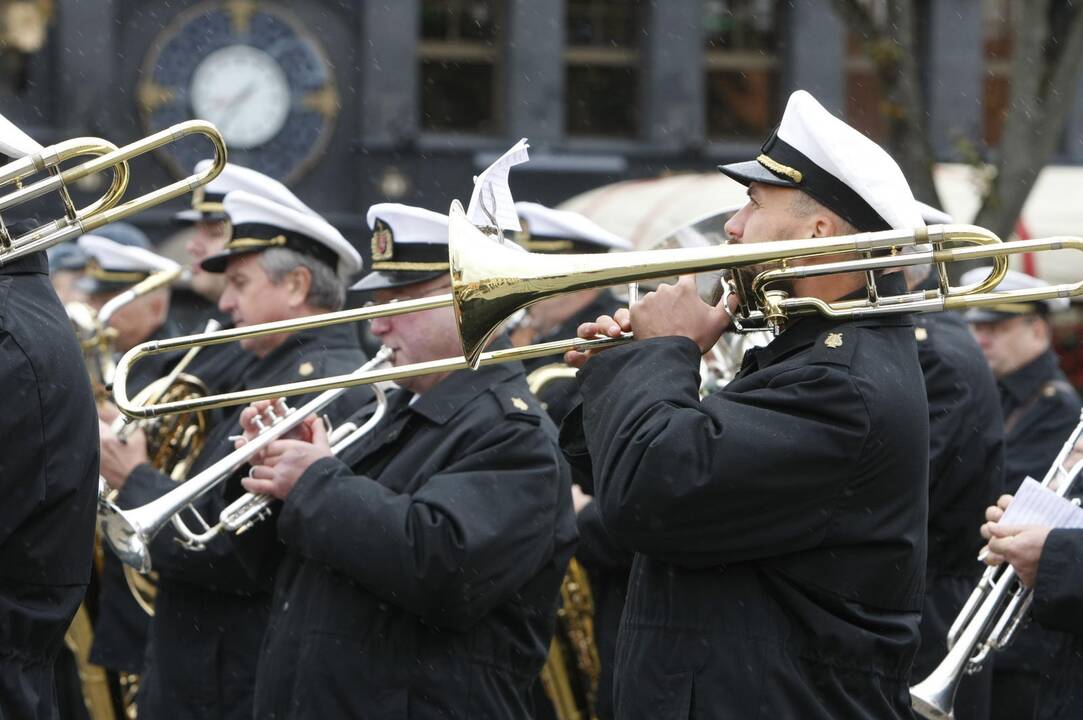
{"x":252,"y":70}
{"x":244,"y":92}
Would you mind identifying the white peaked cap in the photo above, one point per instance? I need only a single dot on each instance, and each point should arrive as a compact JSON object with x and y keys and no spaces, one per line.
{"x":115,"y":256}
{"x":543,"y":222}
{"x":814,"y":151}
{"x":14,"y":142}
{"x":409,"y":245}
{"x":206,"y":201}
{"x":932,"y":215}
{"x":1013,"y":280}
{"x":234,"y":177}
{"x":410,"y":224}
{"x":307,"y":233}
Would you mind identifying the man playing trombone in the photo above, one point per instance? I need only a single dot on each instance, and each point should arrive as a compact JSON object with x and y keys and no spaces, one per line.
{"x":210,"y":613}
{"x":780,"y":523}
{"x":424,"y":561}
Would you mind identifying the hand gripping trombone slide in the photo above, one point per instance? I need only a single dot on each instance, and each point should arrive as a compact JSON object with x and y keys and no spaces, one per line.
{"x":992,"y":615}
{"x":130,"y":532}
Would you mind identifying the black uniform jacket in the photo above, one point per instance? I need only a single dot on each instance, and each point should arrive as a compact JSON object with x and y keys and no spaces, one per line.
{"x":120,"y":629}
{"x":49,"y":476}
{"x":210,"y":613}
{"x":607,"y":564}
{"x":560,"y":395}
{"x":779,"y":524}
{"x":424,"y":565}
{"x":1058,"y":605}
{"x":966,"y":471}
{"x":1040,"y":411}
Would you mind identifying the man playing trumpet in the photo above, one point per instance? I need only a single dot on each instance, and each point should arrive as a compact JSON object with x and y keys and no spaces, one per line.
{"x":210,"y":613}
{"x":424,"y":562}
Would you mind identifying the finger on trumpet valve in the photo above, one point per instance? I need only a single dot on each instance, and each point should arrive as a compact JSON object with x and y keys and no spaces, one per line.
{"x":235,"y":438}
{"x":282,"y":407}
{"x":258,"y":422}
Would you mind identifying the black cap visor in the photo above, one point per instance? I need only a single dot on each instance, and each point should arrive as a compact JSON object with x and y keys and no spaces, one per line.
{"x":385,"y":279}
{"x":752,"y":171}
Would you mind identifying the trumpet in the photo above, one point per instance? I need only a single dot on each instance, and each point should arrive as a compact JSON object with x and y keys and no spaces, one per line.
{"x":130,"y":532}
{"x":96,"y":337}
{"x":105,"y":209}
{"x":991,"y":616}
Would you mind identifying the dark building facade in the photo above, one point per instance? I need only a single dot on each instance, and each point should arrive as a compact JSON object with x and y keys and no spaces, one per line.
{"x":353,"y":102}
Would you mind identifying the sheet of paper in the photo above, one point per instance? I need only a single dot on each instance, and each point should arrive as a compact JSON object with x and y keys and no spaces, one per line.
{"x":492,"y":196}
{"x":1036,"y":505}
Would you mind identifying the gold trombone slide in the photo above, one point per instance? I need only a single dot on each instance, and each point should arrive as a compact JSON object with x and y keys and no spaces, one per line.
{"x":105,"y":209}
{"x":490,"y":282}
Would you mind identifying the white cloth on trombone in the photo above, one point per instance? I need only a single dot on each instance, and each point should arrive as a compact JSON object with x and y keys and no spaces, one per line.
{"x":491,"y":200}
{"x":1037,"y":505}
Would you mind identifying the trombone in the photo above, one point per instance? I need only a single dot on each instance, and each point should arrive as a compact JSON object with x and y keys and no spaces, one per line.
{"x":130,"y":532}
{"x":490,"y":282}
{"x":991,"y":616}
{"x":105,"y":209}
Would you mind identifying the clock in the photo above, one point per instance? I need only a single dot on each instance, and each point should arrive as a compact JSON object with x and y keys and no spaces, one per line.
{"x":253,"y":70}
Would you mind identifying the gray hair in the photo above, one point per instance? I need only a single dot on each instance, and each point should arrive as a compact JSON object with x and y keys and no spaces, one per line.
{"x":327,"y":291}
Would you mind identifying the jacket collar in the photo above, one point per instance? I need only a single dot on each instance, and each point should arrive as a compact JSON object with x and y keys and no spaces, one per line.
{"x":1024,"y":383}
{"x":803,"y":331}
{"x":451,"y":394}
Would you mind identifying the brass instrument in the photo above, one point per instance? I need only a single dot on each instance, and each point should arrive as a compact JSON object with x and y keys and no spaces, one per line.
{"x":490,"y":282}
{"x":92,"y":678}
{"x":573,"y":694}
{"x":104,"y":210}
{"x":571,"y":672}
{"x":992,"y":615}
{"x":96,"y":337}
{"x":130,"y":532}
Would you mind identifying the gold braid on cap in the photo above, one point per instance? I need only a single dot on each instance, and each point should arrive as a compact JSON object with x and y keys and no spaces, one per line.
{"x":248,"y":243}
{"x":96,"y":271}
{"x":416,"y":266}
{"x":780,"y":169}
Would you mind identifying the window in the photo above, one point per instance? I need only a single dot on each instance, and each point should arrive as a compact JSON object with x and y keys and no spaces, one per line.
{"x":741,"y":64}
{"x":602,"y":76}
{"x":460,"y":66}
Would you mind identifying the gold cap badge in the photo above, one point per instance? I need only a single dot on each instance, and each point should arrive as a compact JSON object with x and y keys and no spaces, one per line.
{"x":383,"y":242}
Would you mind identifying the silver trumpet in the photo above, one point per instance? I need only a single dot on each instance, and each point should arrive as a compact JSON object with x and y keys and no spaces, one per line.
{"x":130,"y":532}
{"x":992,"y":615}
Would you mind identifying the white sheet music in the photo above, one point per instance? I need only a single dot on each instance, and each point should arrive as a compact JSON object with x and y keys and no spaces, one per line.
{"x":1036,"y":505}
{"x":491,"y":187}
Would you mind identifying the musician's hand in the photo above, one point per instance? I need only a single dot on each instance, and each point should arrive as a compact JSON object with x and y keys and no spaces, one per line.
{"x":284,"y":461}
{"x":118,"y":459}
{"x":604,"y":325}
{"x":678,"y":310}
{"x":994,"y":513}
{"x":107,"y":412}
{"x":1021,"y":546}
{"x":580,"y":499}
{"x":1073,"y":457}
